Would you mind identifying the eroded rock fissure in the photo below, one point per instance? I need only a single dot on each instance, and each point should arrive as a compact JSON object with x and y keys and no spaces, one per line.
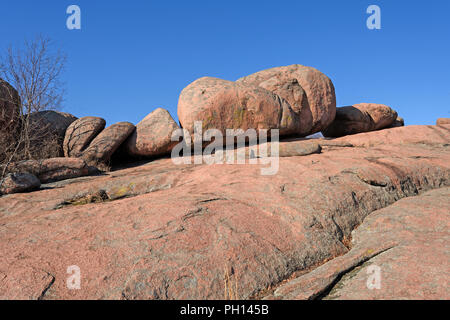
{"x":44,"y":292}
{"x":326,"y":291}
{"x":384,"y":196}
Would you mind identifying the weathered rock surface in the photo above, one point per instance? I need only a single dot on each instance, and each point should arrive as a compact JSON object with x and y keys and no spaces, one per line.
{"x":54,"y":121}
{"x":443,"y":121}
{"x":310,"y":93}
{"x":162,"y":231}
{"x":152,"y":136}
{"x":9,"y":104}
{"x":407,"y":242}
{"x":19,"y":182}
{"x":10,"y":122}
{"x":433,"y":135}
{"x":106,"y":143}
{"x":264,"y":151}
{"x":53,"y":169}
{"x":80,"y":133}
{"x":289,"y":89}
{"x":285,"y":149}
{"x":399,"y":122}
{"x":222,"y":105}
{"x":363,"y":117}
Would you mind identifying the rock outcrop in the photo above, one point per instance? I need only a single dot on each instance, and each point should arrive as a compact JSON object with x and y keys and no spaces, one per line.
{"x":52,"y":121}
{"x":327,"y":211}
{"x":418,"y":134}
{"x":10,"y":122}
{"x":389,"y":242}
{"x":106,"y":143}
{"x":363,"y":117}
{"x":399,"y":122}
{"x":166,"y":231}
{"x":53,"y":169}
{"x":152,"y":136}
{"x":19,"y":182}
{"x":310,"y":93}
{"x":9,"y":105}
{"x":80,"y":133}
{"x":443,"y":121}
{"x":221,"y":104}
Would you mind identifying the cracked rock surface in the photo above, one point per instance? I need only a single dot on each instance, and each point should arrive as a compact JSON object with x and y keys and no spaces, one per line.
{"x":407,"y":242}
{"x":166,"y":231}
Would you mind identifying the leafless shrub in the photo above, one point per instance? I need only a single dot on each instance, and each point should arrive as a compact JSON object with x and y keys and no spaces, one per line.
{"x":34,"y":70}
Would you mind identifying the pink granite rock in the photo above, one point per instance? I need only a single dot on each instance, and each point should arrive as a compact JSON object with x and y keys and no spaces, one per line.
{"x":9,"y":104}
{"x":55,"y":122}
{"x":397,"y":253}
{"x":443,"y":121}
{"x":221,"y":104}
{"x":310,"y":93}
{"x":80,"y":133}
{"x":152,"y":136}
{"x":363,"y":117}
{"x":106,"y":143}
{"x":19,"y":182}
{"x":53,"y":169}
{"x":166,"y":231}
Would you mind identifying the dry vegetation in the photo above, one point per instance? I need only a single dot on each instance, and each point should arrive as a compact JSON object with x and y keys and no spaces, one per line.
{"x":34,"y":70}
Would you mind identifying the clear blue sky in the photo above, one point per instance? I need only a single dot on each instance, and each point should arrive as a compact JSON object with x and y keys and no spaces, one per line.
{"x":131,"y":57}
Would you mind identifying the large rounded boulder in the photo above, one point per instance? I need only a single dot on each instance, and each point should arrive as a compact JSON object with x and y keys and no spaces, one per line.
{"x":310,"y":93}
{"x":51,"y":170}
{"x":106,"y":143}
{"x":443,"y":121}
{"x":9,"y":105}
{"x":399,"y":122}
{"x":363,"y":117}
{"x":19,"y":182}
{"x":47,"y":122}
{"x":152,"y":136}
{"x":10,"y":122}
{"x":80,"y":133}
{"x":221,"y":104}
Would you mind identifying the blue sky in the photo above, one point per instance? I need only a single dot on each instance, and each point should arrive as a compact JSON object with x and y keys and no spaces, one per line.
{"x":131,"y":57}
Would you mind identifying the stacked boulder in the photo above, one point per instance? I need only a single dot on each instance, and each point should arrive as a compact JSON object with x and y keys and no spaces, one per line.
{"x":100,"y":150}
{"x":80,"y":133}
{"x":297,"y":100}
{"x":9,"y":106}
{"x":52,"y":169}
{"x":363,"y":117}
{"x":87,"y":138}
{"x":443,"y":121}
{"x":19,"y":182}
{"x":10,"y":123}
{"x":310,"y":93}
{"x":152,"y":136}
{"x":399,"y":122}
{"x":52,"y":121}
{"x":47,"y":130}
{"x":221,"y":104}
{"x":24,"y":176}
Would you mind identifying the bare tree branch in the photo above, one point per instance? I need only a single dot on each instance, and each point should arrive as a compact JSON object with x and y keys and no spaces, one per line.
{"x":35,"y":71}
